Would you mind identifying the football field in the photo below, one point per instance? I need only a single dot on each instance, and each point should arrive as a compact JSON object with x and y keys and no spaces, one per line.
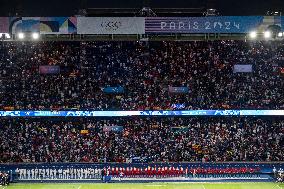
{"x":257,"y":185}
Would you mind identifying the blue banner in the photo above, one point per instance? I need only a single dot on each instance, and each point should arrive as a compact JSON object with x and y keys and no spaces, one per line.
{"x":113,"y":128}
{"x":42,"y":25}
{"x":178,"y":106}
{"x":141,"y":113}
{"x":243,"y":68}
{"x":178,"y":89}
{"x":49,"y":69}
{"x":215,"y":24}
{"x":113,"y":90}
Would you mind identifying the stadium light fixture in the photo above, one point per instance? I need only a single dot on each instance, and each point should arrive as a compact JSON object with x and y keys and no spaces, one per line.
{"x":21,"y":35}
{"x":267,"y":34}
{"x":8,"y":36}
{"x":253,"y":34}
{"x":35,"y":35}
{"x":280,"y":34}
{"x":5,"y":35}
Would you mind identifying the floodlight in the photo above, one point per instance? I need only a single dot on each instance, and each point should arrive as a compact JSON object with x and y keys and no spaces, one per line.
{"x":7,"y":35}
{"x":35,"y":35}
{"x":267,"y":34}
{"x":21,"y":35}
{"x":280,"y":34}
{"x":253,"y":34}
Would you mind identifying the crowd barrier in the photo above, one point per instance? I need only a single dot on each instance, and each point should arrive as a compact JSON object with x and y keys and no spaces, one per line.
{"x":141,"y":113}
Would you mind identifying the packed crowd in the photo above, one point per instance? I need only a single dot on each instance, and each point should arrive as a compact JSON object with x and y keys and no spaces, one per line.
{"x":145,"y":70}
{"x":164,"y":139}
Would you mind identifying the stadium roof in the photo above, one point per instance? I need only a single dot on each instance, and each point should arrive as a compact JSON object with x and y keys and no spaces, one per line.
{"x":70,"y":8}
{"x":137,"y":11}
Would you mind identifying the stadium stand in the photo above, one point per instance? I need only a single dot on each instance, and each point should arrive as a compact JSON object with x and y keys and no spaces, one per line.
{"x":210,"y":139}
{"x":192,"y":75}
{"x":144,"y":73}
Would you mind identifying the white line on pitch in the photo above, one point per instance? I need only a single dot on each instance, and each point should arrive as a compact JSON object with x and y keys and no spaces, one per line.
{"x":79,"y":187}
{"x":155,"y":185}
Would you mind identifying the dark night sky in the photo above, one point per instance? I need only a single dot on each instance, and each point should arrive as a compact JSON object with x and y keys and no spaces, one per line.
{"x":70,"y":7}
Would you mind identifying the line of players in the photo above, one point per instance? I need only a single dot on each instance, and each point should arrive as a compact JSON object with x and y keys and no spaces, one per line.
{"x":134,"y":172}
{"x":175,"y":172}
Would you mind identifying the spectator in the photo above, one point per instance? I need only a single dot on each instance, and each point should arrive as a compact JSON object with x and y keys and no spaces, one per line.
{"x":145,"y":71}
{"x":149,"y":139}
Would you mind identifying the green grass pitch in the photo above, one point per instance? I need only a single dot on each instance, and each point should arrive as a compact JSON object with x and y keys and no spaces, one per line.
{"x":149,"y":186}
